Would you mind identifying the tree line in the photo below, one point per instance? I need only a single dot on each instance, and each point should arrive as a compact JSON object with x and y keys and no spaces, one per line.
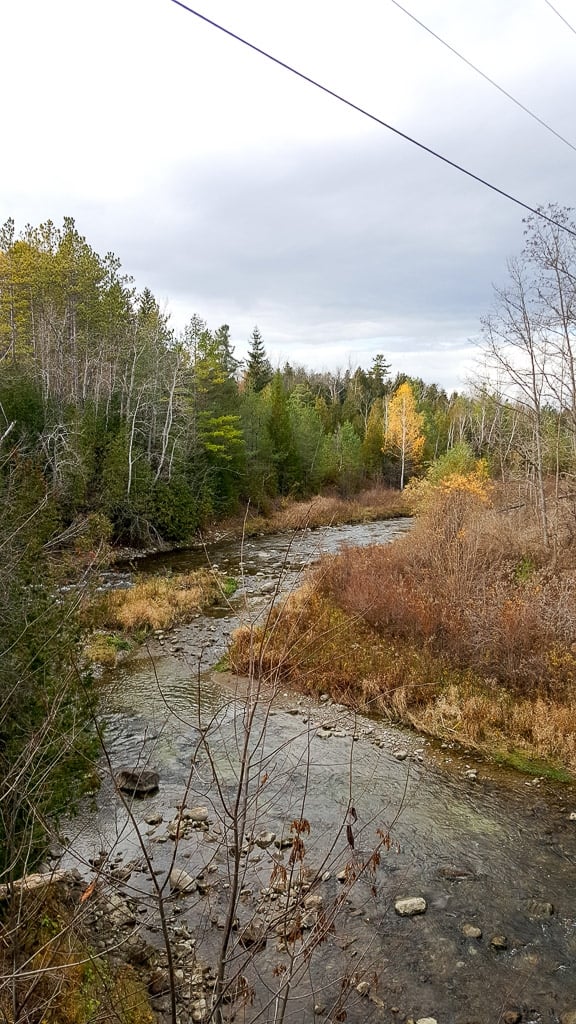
{"x":152,"y":433}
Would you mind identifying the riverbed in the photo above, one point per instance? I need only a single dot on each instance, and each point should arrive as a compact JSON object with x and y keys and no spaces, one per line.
{"x":381,"y":814}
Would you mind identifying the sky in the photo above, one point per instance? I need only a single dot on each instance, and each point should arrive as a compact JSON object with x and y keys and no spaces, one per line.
{"x":240,"y":193}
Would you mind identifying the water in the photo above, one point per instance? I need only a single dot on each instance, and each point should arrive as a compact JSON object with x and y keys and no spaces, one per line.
{"x":495,"y":852}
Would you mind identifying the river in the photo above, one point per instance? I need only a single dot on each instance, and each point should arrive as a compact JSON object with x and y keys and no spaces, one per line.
{"x":485,"y":848}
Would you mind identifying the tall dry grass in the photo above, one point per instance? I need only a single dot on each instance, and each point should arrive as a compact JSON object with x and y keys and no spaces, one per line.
{"x":158,"y":602}
{"x":317,"y":512}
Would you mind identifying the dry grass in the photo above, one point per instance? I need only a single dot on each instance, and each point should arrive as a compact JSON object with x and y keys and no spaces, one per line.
{"x":158,"y":602}
{"x":314,"y":513}
{"x":465,"y":628}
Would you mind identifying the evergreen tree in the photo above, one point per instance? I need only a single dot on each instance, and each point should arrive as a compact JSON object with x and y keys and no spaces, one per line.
{"x":258,"y":371}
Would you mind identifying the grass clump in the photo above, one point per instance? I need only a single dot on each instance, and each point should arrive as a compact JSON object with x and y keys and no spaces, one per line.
{"x":119,"y":619}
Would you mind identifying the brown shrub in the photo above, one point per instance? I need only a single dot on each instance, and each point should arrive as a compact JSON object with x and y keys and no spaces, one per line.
{"x":467,"y":585}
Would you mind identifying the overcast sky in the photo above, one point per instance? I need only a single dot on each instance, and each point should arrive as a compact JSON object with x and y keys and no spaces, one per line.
{"x":235,"y":191}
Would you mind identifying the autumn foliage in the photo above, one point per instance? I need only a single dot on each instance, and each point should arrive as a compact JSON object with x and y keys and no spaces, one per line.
{"x":462,"y":627}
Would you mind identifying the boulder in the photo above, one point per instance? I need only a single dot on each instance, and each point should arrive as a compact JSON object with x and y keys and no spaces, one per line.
{"x":181,"y":881}
{"x":138,"y":781}
{"x":197,"y":815}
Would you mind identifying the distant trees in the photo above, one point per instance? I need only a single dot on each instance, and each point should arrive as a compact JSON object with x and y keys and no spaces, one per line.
{"x":160,"y":432}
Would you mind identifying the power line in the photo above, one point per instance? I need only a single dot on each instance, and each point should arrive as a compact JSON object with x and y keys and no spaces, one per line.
{"x":561,"y":16}
{"x":484,"y":75}
{"x":372,"y":117}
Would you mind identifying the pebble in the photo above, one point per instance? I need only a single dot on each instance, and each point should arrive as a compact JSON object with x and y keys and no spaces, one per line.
{"x":512,"y":1017}
{"x":410,"y":906}
{"x":363,"y":988}
{"x":400,"y":755}
{"x":539,"y":908}
{"x":470,"y":931}
{"x":499,"y":942}
{"x":154,"y":819}
{"x":427,"y":1020}
{"x":569,"y":1017}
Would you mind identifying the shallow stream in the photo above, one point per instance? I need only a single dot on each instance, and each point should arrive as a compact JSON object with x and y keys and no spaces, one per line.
{"x":483,"y":846}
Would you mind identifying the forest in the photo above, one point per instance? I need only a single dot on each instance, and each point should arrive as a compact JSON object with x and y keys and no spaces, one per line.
{"x":134,"y":432}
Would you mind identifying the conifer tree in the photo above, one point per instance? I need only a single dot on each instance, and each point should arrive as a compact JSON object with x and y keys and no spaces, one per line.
{"x":258,"y":367}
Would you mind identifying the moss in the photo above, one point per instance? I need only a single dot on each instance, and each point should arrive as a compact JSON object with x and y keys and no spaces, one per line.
{"x":523,"y":762}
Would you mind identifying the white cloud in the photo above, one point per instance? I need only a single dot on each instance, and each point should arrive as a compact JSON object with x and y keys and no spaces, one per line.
{"x":238,"y":192}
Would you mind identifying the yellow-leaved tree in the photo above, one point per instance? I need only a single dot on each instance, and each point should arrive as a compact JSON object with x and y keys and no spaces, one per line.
{"x":403,"y":437}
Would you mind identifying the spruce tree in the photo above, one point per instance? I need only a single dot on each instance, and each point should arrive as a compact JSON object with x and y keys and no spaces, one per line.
{"x":258,"y":367}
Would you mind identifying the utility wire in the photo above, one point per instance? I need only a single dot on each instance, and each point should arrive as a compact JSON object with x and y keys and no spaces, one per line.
{"x":372,"y":117}
{"x":484,"y":75}
{"x":561,"y":16}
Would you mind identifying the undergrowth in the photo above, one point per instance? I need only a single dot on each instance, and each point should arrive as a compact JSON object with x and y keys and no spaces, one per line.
{"x":49,"y":974}
{"x":315,"y":513}
{"x":465,"y":628}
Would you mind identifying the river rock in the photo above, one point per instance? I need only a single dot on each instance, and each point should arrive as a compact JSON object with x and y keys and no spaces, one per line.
{"x":539,"y":908}
{"x":265,"y":839}
{"x":181,"y":881}
{"x":138,"y":781}
{"x":253,"y":936}
{"x":410,"y":906}
{"x":159,"y":982}
{"x":176,"y":829}
{"x":119,"y":913}
{"x":154,"y":819}
{"x":197,"y":815}
{"x":284,"y":842}
{"x":400,"y":755}
{"x":470,"y":931}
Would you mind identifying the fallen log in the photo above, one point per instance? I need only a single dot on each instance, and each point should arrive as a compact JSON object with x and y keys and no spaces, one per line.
{"x":35,"y":881}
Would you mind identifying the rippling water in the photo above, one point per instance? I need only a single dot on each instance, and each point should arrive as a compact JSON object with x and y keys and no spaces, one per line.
{"x":480,"y":851}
